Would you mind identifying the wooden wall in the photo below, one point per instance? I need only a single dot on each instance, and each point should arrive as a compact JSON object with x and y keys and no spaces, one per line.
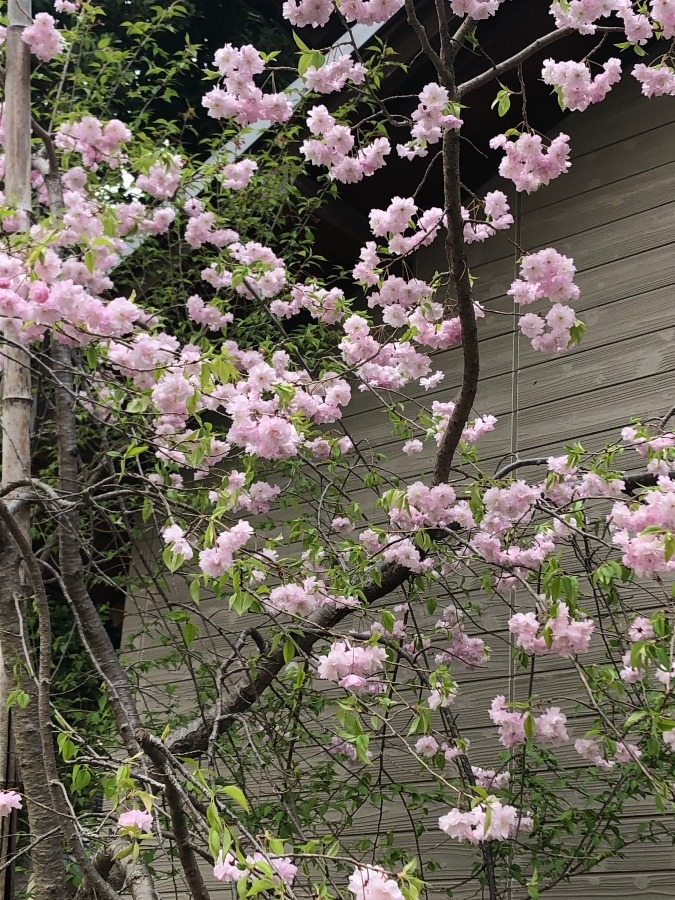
{"x":614,"y":213}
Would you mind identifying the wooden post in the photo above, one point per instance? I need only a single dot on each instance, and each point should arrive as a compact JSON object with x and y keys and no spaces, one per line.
{"x":16,"y":374}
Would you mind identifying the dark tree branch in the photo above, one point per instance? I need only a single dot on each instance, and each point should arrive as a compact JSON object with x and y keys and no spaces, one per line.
{"x":513,"y":61}
{"x":179,"y":823}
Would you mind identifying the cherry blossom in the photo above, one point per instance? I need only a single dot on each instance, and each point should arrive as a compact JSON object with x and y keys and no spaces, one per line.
{"x":372,"y":883}
{"x":136,"y":819}
{"x":43,"y":37}
{"x":9,"y":800}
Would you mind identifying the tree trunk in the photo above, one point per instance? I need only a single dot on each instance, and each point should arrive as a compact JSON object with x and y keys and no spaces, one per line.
{"x":47,"y":855}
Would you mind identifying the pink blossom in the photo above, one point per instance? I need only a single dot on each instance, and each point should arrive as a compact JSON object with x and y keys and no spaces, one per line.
{"x":573,"y":79}
{"x":333,"y":76}
{"x":627,"y":753}
{"x":656,"y":81}
{"x":43,"y":37}
{"x":372,"y":883}
{"x":227,"y":870}
{"x":477,"y":9}
{"x":207,"y":313}
{"x":136,"y":818}
{"x":528,"y":164}
{"x":505,"y":822}
{"x":550,"y":727}
{"x":641,"y":629}
{"x":426,"y":746}
{"x":663,"y":11}
{"x":489,"y":779}
{"x":284,"y":870}
{"x":217,"y":560}
{"x":162,"y":179}
{"x":94,"y":141}
{"x":237,"y":176}
{"x":430,"y":120}
{"x":590,"y":749}
{"x":351,"y":665}
{"x":174,"y":537}
{"x":580,"y":14}
{"x":9,"y":800}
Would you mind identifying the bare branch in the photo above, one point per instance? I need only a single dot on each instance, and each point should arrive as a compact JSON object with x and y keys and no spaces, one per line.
{"x":513,"y":61}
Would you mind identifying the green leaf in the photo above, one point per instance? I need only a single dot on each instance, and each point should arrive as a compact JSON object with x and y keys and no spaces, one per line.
{"x":195,"y":590}
{"x":529,"y":727}
{"x":18,"y":697}
{"x":67,"y":748}
{"x":190,"y":632}
{"x":313,"y":58}
{"x":636,"y":717}
{"x":289,"y":651}
{"x":300,"y":43}
{"x":388,"y":620}
{"x":214,"y":842}
{"x":235,"y":793}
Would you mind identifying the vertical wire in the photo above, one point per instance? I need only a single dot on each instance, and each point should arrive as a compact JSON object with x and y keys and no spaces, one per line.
{"x":515,"y":366}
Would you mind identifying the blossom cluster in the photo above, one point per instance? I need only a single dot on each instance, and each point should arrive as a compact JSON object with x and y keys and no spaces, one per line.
{"x":332,"y":145}
{"x":389,"y":366}
{"x":573,"y":79}
{"x":228,"y":870}
{"x":582,"y":15}
{"x":237,"y":175}
{"x":235,"y":495}
{"x":442,"y":411}
{"x":477,"y":9}
{"x":421,"y":506}
{"x":591,"y":750}
{"x":350,"y":666}
{"x":207,"y":314}
{"x":641,"y":530}
{"x":241,"y":99}
{"x":327,"y":306}
{"x":430,"y":120}
{"x":94,"y":141}
{"x":549,"y":727}
{"x":401,"y":215}
{"x":372,"y":883}
{"x":490,"y":820}
{"x":498,"y":218}
{"x":549,"y":275}
{"x":174,"y":537}
{"x":462,"y":648}
{"x":162,"y":179}
{"x":528,"y":164}
{"x":57,"y":297}
{"x":334,"y":75}
{"x":317,"y":12}
{"x":304,"y":599}
{"x":218,"y":559}
{"x":43,"y":37}
{"x":656,"y":81}
{"x":561,"y":634}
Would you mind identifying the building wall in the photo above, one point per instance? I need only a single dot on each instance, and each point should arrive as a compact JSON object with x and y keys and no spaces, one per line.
{"x":614,"y":213}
